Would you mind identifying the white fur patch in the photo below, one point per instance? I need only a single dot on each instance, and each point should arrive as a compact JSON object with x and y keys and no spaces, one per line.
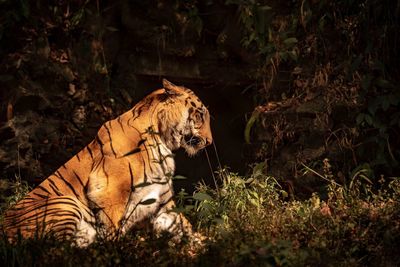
{"x":154,"y":194}
{"x":85,"y":234}
{"x":163,"y":222}
{"x":143,"y":204}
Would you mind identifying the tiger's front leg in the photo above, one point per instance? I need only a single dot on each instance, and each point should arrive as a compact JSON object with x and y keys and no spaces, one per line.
{"x":166,"y":220}
{"x":154,"y":203}
{"x":176,"y":224}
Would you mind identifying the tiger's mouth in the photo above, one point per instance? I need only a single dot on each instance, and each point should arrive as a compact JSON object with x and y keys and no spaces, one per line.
{"x":192,"y":140}
{"x":192,"y":144}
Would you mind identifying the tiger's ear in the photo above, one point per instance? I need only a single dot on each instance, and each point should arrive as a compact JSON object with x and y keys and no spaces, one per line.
{"x":170,"y":88}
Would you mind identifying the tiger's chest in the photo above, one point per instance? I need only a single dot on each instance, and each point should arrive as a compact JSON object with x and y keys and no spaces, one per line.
{"x":147,"y":198}
{"x":146,"y":202}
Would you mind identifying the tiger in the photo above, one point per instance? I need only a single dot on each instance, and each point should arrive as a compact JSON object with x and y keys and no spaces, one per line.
{"x":122,"y":178}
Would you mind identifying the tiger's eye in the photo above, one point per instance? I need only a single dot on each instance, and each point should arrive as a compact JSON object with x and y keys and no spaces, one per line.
{"x":198,"y":117}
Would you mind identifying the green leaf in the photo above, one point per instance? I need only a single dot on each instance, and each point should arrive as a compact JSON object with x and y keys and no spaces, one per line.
{"x":77,"y":17}
{"x":202,"y":196}
{"x":383,"y":83}
{"x":205,"y":207}
{"x":373,"y":106}
{"x":284,"y":193}
{"x":283,"y":55}
{"x":249,"y":125}
{"x":265,"y":8}
{"x":179,"y":177}
{"x":368,"y":119}
{"x":360,"y":118}
{"x":249,"y":181}
{"x":178,"y":209}
{"x":290,"y":41}
{"x":258,"y":169}
{"x":322,"y":23}
{"x":254,"y":202}
{"x":293,"y":55}
{"x":189,"y":207}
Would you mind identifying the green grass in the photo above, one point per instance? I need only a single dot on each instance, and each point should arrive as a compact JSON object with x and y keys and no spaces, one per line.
{"x":251,"y":221}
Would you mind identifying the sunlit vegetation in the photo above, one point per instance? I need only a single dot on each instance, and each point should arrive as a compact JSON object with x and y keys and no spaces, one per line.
{"x":251,"y":220}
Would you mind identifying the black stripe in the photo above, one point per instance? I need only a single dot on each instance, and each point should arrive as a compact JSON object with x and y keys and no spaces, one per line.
{"x":65,"y":223}
{"x":144,"y":184}
{"x":162,"y":158}
{"x":79,"y":179}
{"x":28,"y":198}
{"x":44,"y":213}
{"x":144,"y":170}
{"x":86,"y":209}
{"x":56,"y":211}
{"x":166,"y":202}
{"x":43,"y":189}
{"x":63,"y":231}
{"x":90,"y":151}
{"x":134,"y":151}
{"x":47,"y":202}
{"x":148,"y":157}
{"x":173,"y":224}
{"x":131,"y":174}
{"x":120,"y":123}
{"x":40,"y":195}
{"x":166,"y":192}
{"x":54,"y":187}
{"x":109,"y":136}
{"x":104,"y":168}
{"x":161,"y":182}
{"x":58,"y":214}
{"x":141,"y":142}
{"x":98,"y":140}
{"x":48,"y":222}
{"x":135,"y":114}
{"x":77,"y":156}
{"x":146,"y":103}
{"x":68,"y":184}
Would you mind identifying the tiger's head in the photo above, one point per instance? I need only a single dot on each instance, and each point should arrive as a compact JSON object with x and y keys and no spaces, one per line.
{"x":183,"y":120}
